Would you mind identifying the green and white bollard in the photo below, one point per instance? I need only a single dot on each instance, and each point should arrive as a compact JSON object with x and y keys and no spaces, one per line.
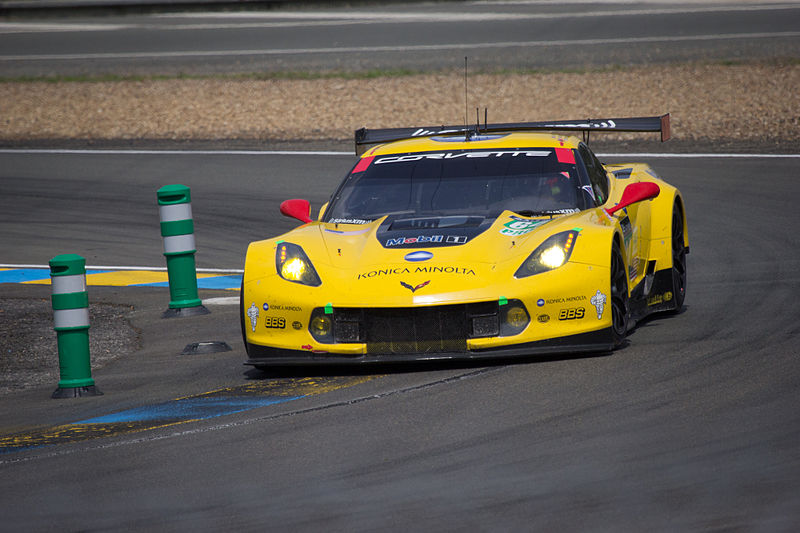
{"x":177,"y":228}
{"x":71,"y":320}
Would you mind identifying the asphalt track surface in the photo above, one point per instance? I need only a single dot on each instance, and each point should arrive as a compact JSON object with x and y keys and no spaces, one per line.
{"x":417,"y":36}
{"x":692,"y":426}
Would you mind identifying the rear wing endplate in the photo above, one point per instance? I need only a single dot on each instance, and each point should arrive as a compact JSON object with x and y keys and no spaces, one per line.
{"x":660,"y":124}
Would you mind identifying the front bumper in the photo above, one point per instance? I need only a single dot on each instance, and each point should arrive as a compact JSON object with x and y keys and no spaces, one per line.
{"x":567,"y":310}
{"x":591,"y":342}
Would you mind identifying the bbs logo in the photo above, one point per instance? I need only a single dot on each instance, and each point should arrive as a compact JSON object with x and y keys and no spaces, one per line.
{"x":571,"y":314}
{"x":275,"y":322}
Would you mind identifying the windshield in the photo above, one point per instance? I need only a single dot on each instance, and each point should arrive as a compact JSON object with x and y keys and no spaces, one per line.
{"x":528,"y":181}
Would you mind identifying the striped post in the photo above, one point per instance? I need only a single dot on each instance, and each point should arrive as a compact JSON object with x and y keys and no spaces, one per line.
{"x":71,"y":319}
{"x":177,"y":228}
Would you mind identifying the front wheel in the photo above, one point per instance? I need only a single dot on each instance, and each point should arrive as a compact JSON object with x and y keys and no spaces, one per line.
{"x":678,"y":258}
{"x":241,"y":316}
{"x":619,"y":296}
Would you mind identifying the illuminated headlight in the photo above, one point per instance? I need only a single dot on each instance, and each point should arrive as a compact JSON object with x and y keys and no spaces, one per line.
{"x":551,"y":254}
{"x":293,"y":265}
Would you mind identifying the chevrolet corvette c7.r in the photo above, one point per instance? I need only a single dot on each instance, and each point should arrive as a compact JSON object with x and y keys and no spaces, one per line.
{"x":468,"y":243}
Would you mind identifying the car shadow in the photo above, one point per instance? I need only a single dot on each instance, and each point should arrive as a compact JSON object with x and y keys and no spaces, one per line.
{"x":653,"y":319}
{"x":407,"y":367}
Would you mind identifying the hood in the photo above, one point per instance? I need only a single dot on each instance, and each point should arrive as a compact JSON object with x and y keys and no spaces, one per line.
{"x":455,"y":240}
{"x":401,"y":261}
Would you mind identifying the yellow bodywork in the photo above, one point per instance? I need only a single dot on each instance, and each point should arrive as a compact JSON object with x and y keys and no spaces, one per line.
{"x":356,"y":271}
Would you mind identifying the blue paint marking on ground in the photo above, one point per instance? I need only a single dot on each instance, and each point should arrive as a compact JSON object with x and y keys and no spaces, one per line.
{"x":190,"y":409}
{"x":20,"y":449}
{"x":21,"y":275}
{"x":220,"y":282}
{"x":216,"y":282}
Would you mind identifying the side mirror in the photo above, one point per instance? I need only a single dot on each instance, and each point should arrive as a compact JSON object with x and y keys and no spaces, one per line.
{"x":297,"y":208}
{"x":633,"y":193}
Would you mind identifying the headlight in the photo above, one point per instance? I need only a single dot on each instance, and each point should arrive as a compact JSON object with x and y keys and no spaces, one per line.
{"x":293,"y":265}
{"x":551,"y":254}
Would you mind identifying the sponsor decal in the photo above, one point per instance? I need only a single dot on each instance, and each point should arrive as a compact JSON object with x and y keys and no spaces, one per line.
{"x":266,"y":306}
{"x":349,"y":221}
{"x":275,"y":322}
{"x":519,"y":226}
{"x":307,"y":347}
{"x":540,"y":302}
{"x":422,"y":131}
{"x":660,"y":298}
{"x":585,"y":125}
{"x":414,"y":289}
{"x":417,"y":270}
{"x":599,"y":302}
{"x":457,"y":139}
{"x":422,"y":239}
{"x":426,"y":239}
{"x":278,"y":307}
{"x":543,"y":319}
{"x":568,"y":299}
{"x":252,"y":313}
{"x":297,"y":325}
{"x":573,"y":313}
{"x":466,"y":155}
{"x":418,"y":256}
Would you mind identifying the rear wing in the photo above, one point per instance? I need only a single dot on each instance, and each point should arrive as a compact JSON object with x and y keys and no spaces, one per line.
{"x":660,"y":124}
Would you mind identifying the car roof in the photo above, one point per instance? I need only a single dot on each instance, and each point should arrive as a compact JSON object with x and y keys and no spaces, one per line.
{"x":477,"y":142}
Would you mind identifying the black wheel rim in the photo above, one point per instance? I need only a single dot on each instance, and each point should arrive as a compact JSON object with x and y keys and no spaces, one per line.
{"x":678,"y":256}
{"x":619,"y":294}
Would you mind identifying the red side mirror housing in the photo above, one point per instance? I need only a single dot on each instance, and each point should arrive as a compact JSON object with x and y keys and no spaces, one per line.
{"x":297,"y":208}
{"x":635,"y":192}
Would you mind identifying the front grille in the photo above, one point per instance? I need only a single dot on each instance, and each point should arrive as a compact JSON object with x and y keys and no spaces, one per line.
{"x":424,"y":330}
{"x":415,"y":330}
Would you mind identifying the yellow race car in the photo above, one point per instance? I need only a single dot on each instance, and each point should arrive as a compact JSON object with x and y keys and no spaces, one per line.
{"x":468,"y":243}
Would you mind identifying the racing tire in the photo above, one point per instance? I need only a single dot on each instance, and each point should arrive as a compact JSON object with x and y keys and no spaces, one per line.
{"x":678,"y":259}
{"x":620,"y":308}
{"x":241,"y":317}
